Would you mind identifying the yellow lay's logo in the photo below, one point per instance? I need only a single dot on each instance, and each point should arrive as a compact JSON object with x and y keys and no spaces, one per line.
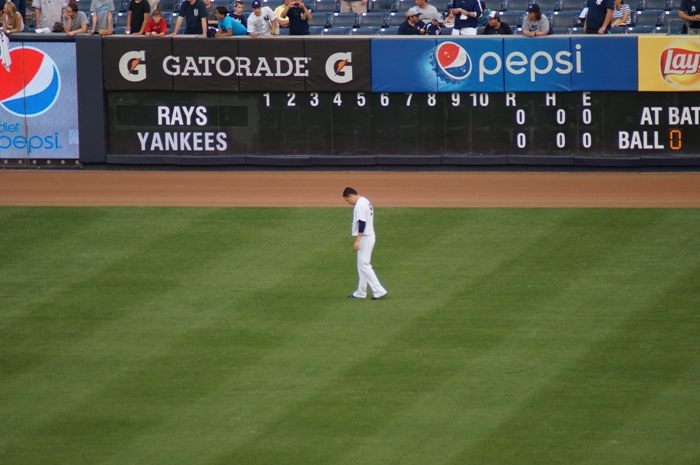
{"x":680,"y":62}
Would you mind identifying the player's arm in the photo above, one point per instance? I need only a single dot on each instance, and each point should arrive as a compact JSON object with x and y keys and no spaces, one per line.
{"x":360,"y":232}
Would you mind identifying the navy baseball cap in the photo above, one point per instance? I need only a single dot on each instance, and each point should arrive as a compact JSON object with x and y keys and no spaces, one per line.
{"x":534,"y":8}
{"x":256,"y":4}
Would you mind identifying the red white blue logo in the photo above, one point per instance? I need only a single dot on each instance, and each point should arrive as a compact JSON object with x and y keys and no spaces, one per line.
{"x":32,"y":84}
{"x":452,"y":62}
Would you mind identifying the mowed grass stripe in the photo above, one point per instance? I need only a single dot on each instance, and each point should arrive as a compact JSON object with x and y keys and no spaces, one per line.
{"x":152,"y":314}
{"x":277,"y":365}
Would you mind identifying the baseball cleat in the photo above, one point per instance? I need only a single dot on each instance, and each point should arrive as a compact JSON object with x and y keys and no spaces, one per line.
{"x":353,"y":296}
{"x":380,"y":297}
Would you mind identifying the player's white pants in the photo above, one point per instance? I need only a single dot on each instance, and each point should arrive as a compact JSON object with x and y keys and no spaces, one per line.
{"x":365,"y":270}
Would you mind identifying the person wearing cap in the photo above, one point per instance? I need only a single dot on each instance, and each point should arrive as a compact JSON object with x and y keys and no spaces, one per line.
{"x":262,"y":21}
{"x":467,"y":14}
{"x":434,"y":27}
{"x":413,"y":25}
{"x":535,"y":24}
{"x":599,"y":18}
{"x":298,"y":15}
{"x":194,"y":14}
{"x":426,"y":11}
{"x":495,"y":26}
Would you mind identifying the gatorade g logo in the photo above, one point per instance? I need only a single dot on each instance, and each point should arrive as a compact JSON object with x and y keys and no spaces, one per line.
{"x":132,"y":66}
{"x":339,"y":67}
{"x":32,"y":85}
{"x":452,"y":63}
{"x":680,"y":62}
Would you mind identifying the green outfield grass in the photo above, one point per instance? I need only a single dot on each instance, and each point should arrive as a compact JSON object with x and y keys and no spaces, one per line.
{"x":145,"y":336}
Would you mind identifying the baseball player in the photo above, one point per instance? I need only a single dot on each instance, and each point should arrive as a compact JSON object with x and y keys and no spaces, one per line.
{"x":363,"y":230}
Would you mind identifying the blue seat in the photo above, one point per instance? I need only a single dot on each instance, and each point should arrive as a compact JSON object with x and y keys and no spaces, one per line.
{"x":512,"y":18}
{"x":325,"y":6}
{"x":547,"y":5}
{"x":362,"y":31}
{"x":336,"y":31}
{"x":387,"y":31}
{"x":516,"y":5}
{"x":571,"y":5}
{"x":372,"y":19}
{"x":653,"y":5}
{"x":562,"y":19}
{"x":343,"y":20}
{"x":382,"y":5}
{"x":641,"y":30}
{"x":319,"y":19}
{"x":395,"y":19}
{"x":646,"y":18}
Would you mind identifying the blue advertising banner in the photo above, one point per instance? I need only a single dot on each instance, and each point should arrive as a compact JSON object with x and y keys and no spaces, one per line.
{"x":38,"y":102}
{"x":538,"y":65}
{"x":508,"y":64}
{"x":403,"y":64}
{"x":604,"y":65}
{"x":466,"y":64}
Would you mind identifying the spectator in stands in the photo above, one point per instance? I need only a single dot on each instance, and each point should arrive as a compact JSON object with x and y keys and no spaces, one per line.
{"x":156,"y":26}
{"x":211,"y":13}
{"x":467,"y":14}
{"x":496,"y":26}
{"x":484,"y":18}
{"x":535,"y":24}
{"x":74,"y":21}
{"x":581,"y":18}
{"x":226,"y":26}
{"x":622,"y":16}
{"x":413,"y":24}
{"x":237,"y":13}
{"x":434,"y":28}
{"x":690,"y":12}
{"x":282,"y":20}
{"x":298,"y":15}
{"x":599,"y":16}
{"x":139,"y":14}
{"x":353,"y":6}
{"x":426,"y":11}
{"x":262,"y":21}
{"x":102,"y":17}
{"x":11,"y":20}
{"x":194,"y":14}
{"x":47,"y":13}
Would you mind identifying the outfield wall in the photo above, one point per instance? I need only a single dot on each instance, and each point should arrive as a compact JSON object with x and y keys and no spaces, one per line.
{"x":352,"y":101}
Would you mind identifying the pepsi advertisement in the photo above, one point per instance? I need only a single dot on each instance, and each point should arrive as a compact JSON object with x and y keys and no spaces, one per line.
{"x":503,"y":64}
{"x":38,"y":102}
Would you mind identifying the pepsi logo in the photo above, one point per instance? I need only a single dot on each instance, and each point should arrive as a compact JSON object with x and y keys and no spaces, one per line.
{"x":452,"y":62}
{"x":32,"y":84}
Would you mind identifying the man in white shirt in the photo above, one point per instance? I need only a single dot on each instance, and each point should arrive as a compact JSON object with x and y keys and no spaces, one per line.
{"x":262,"y":21}
{"x":49,"y":12}
{"x":363,"y":230}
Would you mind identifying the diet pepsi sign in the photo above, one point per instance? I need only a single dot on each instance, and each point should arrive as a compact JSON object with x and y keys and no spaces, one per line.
{"x":39,"y":93}
{"x":32,"y":124}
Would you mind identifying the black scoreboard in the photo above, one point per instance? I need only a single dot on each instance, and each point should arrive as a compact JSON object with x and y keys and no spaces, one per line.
{"x":607,"y":124}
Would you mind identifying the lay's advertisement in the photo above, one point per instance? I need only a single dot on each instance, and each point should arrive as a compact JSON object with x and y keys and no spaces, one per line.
{"x":669,"y":64}
{"x":39,"y":102}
